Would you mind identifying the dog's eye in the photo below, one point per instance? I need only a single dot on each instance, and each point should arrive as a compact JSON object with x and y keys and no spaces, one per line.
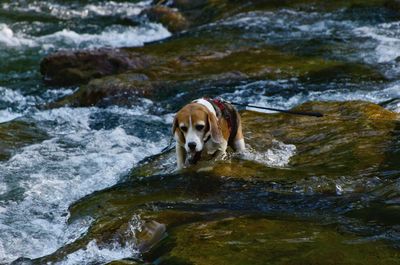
{"x":184,"y":128}
{"x":199,"y":127}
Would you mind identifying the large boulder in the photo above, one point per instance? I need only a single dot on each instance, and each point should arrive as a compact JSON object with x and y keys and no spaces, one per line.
{"x":71,"y":67}
{"x":334,"y":165}
{"x":351,"y":139}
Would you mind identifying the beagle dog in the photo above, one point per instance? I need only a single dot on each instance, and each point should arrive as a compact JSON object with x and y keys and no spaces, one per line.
{"x":206,"y":127}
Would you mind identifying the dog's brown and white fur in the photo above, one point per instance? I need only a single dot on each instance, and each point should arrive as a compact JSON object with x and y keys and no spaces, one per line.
{"x":198,"y":131}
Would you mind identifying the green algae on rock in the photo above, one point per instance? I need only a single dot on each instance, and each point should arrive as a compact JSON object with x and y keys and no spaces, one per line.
{"x":16,"y":134}
{"x":351,"y":139}
{"x":252,"y":240}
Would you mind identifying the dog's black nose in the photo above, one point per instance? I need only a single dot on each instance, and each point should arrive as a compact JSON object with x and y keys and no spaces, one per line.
{"x":192,"y":146}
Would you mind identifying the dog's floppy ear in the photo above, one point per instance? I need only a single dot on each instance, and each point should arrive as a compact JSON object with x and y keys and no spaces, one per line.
{"x":176,"y":132}
{"x":215,"y":129}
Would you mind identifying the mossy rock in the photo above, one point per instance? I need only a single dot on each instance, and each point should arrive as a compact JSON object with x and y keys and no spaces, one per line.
{"x":16,"y":134}
{"x":206,"y":61}
{"x":352,"y":138}
{"x":70,"y":67}
{"x":205,"y":11}
{"x":126,"y":262}
{"x":197,"y":59}
{"x":171,"y":18}
{"x":248,"y":240}
{"x":122,"y":89}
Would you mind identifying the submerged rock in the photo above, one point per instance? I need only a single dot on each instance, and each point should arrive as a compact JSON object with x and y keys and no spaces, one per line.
{"x":16,"y":134}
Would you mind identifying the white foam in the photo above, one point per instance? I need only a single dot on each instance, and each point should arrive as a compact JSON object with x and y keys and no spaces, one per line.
{"x":66,"y":12}
{"x":387,"y":41}
{"x":277,"y":156}
{"x":3,"y":189}
{"x":75,"y":161}
{"x":114,"y":8}
{"x":17,"y":103}
{"x":9,"y":38}
{"x":110,"y":37}
{"x":113,"y":36}
{"x":95,"y":254}
{"x":11,"y":96}
{"x":296,"y":24}
{"x":8,"y":115}
{"x":116,"y":36}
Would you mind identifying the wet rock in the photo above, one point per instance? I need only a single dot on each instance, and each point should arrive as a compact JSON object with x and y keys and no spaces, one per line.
{"x":72,"y":68}
{"x":16,"y":134}
{"x":171,"y":18}
{"x":200,"y":54}
{"x":343,"y":72}
{"x":393,"y":4}
{"x":199,"y":12}
{"x":191,"y":206}
{"x":22,"y":261}
{"x":126,"y":262}
{"x":252,"y":240}
{"x":197,"y":59}
{"x":124,"y":231}
{"x":123,"y":89}
{"x":351,"y":139}
{"x":178,"y":67}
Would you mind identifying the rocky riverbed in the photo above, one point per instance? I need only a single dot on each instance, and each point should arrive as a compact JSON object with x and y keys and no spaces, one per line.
{"x":88,"y":90}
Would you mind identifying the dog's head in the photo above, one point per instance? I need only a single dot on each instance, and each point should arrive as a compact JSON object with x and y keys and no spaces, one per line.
{"x":192,"y":126}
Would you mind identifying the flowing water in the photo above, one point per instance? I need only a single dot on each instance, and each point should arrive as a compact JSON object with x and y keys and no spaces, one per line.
{"x":78,"y":151}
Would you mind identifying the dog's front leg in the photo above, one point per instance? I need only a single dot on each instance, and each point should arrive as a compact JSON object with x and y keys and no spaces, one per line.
{"x":180,"y":156}
{"x":219,"y":154}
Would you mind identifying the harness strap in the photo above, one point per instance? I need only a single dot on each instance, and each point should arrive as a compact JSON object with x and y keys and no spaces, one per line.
{"x":229,"y":113}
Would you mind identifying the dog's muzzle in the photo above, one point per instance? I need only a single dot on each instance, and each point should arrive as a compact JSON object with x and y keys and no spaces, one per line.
{"x":193,"y":157}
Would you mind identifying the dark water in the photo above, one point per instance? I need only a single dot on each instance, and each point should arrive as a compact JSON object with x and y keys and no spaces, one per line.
{"x":73,"y":152}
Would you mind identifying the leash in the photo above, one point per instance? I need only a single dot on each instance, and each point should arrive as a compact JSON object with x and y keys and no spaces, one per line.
{"x":169,"y":147}
{"x":303,"y":113}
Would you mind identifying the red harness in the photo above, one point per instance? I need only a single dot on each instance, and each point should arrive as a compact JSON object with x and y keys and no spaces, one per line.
{"x":223,"y":110}
{"x":229,"y":113}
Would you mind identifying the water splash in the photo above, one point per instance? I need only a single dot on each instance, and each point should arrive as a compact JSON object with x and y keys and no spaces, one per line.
{"x":277,"y":156}
{"x":92,"y":253}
